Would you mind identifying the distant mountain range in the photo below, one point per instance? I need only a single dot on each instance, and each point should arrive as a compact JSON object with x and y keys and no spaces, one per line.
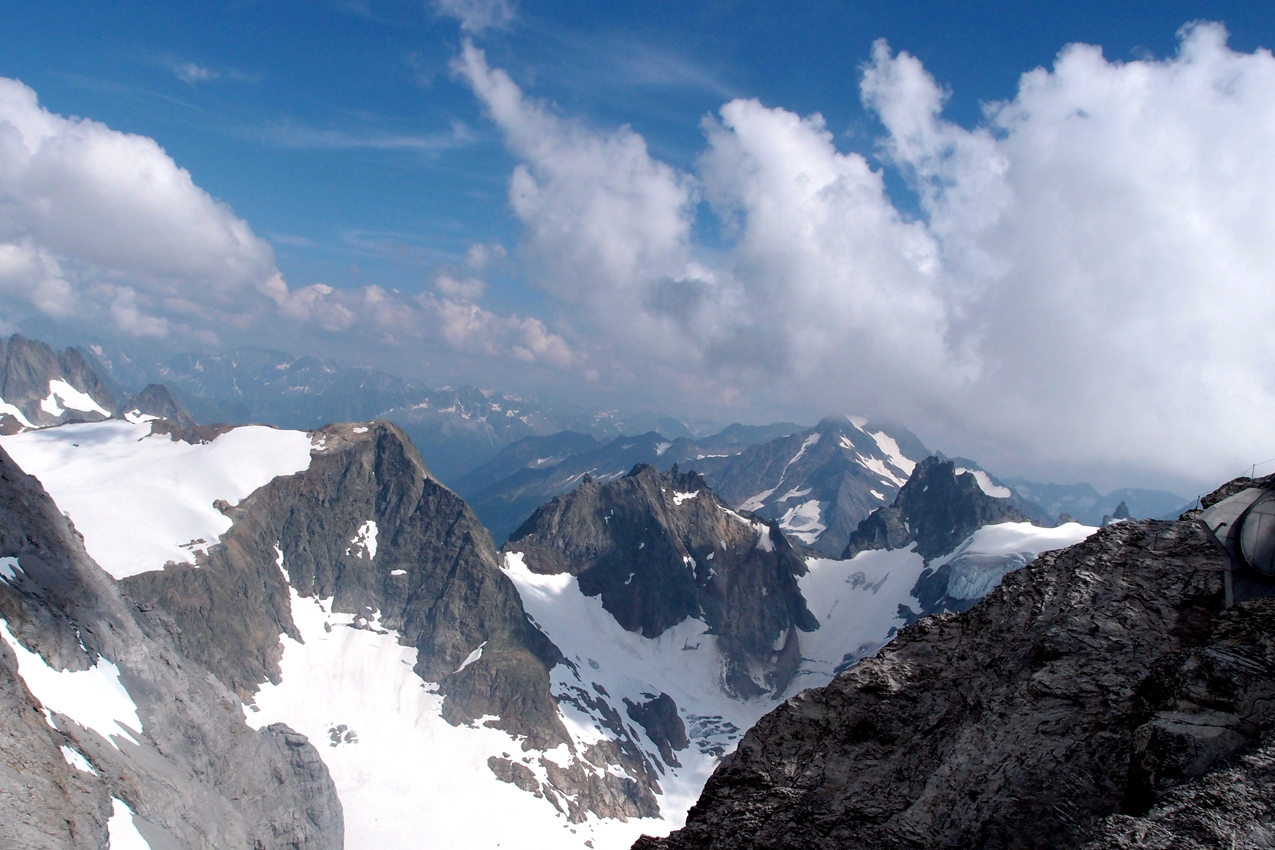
{"x":455,"y":428}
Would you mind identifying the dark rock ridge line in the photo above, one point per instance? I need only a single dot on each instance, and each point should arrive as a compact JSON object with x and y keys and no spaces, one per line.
{"x":435,"y":580}
{"x":661,"y":547}
{"x":1103,"y":682}
{"x":196,"y":776}
{"x":26,"y":369}
{"x":936,"y":509}
{"x":158,"y":400}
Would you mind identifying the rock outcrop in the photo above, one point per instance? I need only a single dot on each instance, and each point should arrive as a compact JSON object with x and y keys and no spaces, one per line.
{"x":435,"y":580}
{"x":158,"y":400}
{"x":194,"y":773}
{"x":1101,"y":695}
{"x":661,"y":547}
{"x":936,"y":509}
{"x":41,"y":387}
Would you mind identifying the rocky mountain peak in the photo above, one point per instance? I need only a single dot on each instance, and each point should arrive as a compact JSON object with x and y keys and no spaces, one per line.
{"x":40,"y":387}
{"x":936,"y":509}
{"x":158,"y":400}
{"x":661,"y":547}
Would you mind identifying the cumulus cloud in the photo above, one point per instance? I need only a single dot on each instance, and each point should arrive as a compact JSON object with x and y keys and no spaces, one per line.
{"x":1089,"y":282}
{"x":103,"y":231}
{"x":475,"y":16}
{"x":94,"y":222}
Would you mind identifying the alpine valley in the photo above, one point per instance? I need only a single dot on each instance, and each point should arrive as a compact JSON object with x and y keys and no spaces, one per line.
{"x":295,"y":634}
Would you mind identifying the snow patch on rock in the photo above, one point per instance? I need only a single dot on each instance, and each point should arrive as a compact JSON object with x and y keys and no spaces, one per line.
{"x":121,"y":831}
{"x":93,"y":698}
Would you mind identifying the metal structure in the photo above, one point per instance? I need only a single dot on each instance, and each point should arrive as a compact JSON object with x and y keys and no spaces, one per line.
{"x":1244,"y":526}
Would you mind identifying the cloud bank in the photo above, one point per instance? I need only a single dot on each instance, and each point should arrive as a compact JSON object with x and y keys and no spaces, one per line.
{"x":101,"y":230}
{"x":1090,"y":284}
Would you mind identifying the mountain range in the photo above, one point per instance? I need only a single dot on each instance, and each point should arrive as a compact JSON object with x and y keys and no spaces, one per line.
{"x":244,"y":635}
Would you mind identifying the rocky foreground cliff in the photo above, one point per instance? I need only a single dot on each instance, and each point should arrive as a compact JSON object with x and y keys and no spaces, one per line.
{"x":1102,"y":696}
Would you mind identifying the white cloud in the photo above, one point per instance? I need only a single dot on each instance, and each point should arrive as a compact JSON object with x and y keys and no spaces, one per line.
{"x":478,"y":15}
{"x":189,"y":72}
{"x":1090,"y":283}
{"x":94,"y":221}
{"x":101,"y":230}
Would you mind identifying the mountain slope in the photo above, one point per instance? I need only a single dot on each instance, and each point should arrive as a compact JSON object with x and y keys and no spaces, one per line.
{"x":659,"y":548}
{"x":353,"y":597}
{"x":107,"y":726}
{"x":1093,"y":681}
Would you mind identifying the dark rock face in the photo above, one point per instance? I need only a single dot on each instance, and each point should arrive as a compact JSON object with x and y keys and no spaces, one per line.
{"x":1228,"y":807}
{"x":450,"y":598}
{"x":837,"y":463}
{"x":158,"y":400}
{"x":936,"y":510}
{"x":659,"y":717}
{"x":197,"y":775}
{"x":661,"y":547}
{"x":1094,"y":682}
{"x":26,"y":368}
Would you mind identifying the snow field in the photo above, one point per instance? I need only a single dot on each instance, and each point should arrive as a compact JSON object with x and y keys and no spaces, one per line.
{"x":141,"y":501}
{"x":405,"y":776}
{"x":71,"y":399}
{"x":684,"y":663}
{"x":93,"y":698}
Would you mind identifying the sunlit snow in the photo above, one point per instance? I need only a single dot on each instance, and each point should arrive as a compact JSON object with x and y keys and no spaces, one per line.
{"x":76,"y":760}
{"x":364,"y":542}
{"x":985,"y":483}
{"x":17,"y":414}
{"x":140,"y":500}
{"x":121,"y":831}
{"x":805,"y":521}
{"x":71,"y":399}
{"x":9,"y":568}
{"x":890,"y":448}
{"x":93,"y":698}
{"x":404,"y":775}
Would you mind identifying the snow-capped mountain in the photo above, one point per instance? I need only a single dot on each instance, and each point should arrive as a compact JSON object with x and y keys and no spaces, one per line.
{"x":334,"y":595}
{"x":110,"y":731}
{"x":40,"y":387}
{"x":821,"y":482}
{"x":524,"y":475}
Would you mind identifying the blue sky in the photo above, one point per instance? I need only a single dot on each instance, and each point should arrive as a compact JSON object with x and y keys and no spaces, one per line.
{"x":339,"y":133}
{"x":722,"y":210}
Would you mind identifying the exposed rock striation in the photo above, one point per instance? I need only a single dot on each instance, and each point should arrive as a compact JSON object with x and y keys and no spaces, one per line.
{"x":1099,"y":695}
{"x":661,"y":547}
{"x":821,"y":482}
{"x":194,"y":773}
